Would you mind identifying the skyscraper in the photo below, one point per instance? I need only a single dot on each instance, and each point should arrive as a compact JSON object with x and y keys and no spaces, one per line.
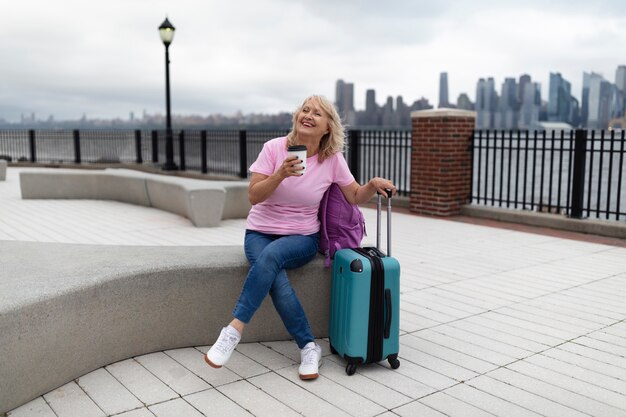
{"x":620,"y":82}
{"x":508,"y":105}
{"x":584,"y":105}
{"x":620,"y":77}
{"x":599,"y":102}
{"x":370,"y":116}
{"x":403,"y":114}
{"x":531,"y":105}
{"x":521,"y":86}
{"x":486,"y":103}
{"x":388,"y":113}
{"x":370,"y":101}
{"x":616,"y":103}
{"x":443,"y":90}
{"x":339,"y":86}
{"x":344,"y":100}
{"x":559,"y":99}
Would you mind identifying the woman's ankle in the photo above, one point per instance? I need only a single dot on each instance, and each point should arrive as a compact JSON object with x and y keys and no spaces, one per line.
{"x":238,"y":325}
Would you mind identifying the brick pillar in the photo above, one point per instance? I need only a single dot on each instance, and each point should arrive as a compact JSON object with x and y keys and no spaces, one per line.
{"x":441,"y":176}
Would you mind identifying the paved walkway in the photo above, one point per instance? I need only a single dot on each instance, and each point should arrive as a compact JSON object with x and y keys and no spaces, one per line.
{"x":493,"y":322}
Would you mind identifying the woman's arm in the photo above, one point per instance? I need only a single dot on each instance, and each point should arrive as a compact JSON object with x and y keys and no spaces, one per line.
{"x":262,"y":186}
{"x":359,"y":194}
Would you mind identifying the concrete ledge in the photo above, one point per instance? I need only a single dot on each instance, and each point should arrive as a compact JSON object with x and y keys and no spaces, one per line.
{"x":93,"y":185}
{"x":443,"y":112}
{"x":203,"y":206}
{"x":68,"y":309}
{"x":609,"y":228}
{"x":3,"y":169}
{"x":236,"y":205}
{"x":203,"y":202}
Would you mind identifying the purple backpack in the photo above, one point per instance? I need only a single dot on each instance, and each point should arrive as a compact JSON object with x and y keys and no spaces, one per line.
{"x":342,"y":224}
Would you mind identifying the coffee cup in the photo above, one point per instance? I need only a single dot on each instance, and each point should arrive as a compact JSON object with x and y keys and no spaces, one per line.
{"x":300,"y":152}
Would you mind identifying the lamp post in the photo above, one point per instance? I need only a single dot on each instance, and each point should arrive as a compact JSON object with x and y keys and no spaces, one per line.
{"x":166,"y":31}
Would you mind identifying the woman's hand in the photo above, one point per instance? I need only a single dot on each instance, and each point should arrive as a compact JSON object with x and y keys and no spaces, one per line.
{"x":359,"y":194}
{"x":381,"y":185}
{"x":290,"y":168}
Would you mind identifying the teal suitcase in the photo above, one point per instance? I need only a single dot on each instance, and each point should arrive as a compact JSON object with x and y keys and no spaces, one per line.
{"x":365,"y":303}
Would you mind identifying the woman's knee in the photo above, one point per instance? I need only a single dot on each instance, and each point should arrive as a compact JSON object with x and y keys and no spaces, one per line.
{"x":269,"y":260}
{"x":287,"y":252}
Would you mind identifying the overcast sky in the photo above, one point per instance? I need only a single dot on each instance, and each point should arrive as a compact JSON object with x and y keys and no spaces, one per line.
{"x":104,"y":58}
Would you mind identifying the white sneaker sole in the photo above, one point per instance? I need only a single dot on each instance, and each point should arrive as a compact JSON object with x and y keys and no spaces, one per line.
{"x":306,"y":377}
{"x":309,"y":376}
{"x":211,"y":364}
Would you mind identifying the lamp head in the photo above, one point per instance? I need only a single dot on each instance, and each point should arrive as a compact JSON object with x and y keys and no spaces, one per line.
{"x":166,"y":31}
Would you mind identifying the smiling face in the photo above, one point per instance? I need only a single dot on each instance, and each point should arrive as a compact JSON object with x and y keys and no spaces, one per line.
{"x":312,"y":119}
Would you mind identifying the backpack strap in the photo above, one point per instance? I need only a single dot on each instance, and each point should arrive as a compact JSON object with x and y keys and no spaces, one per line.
{"x":323,"y":229}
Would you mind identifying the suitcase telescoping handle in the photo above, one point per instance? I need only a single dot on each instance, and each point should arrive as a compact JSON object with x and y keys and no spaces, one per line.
{"x":378,"y":214}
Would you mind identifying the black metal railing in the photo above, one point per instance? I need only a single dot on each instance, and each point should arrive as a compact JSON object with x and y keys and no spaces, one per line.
{"x":382,"y":153}
{"x":578,"y":173}
{"x":385,"y":153}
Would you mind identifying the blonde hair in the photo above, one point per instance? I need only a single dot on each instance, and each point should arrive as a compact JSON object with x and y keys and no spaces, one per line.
{"x":333,"y":141}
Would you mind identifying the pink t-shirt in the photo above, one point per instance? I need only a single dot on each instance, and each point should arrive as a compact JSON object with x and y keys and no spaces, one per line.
{"x":292,"y":207}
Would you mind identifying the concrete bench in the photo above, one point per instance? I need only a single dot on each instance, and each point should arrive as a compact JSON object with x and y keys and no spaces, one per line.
{"x":67,"y":309}
{"x":204,"y":202}
{"x":3,"y":169}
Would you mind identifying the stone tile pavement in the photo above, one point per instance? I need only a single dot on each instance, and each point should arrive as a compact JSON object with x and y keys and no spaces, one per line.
{"x":494,"y":322}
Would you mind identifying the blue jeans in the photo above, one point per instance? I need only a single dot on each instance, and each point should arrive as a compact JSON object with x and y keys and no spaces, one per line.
{"x":270,"y":256}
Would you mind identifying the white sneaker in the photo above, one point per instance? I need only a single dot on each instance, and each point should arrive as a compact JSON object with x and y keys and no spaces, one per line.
{"x":223,"y":347}
{"x":311,"y":360}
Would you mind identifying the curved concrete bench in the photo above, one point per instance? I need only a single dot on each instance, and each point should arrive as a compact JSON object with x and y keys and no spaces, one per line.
{"x":203,"y":202}
{"x":67,"y":309}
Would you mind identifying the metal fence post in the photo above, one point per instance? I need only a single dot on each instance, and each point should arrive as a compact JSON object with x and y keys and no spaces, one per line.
{"x":77,"y":146}
{"x":139,"y":156}
{"x":203,"y":158}
{"x":32,"y":146}
{"x":470,"y":148}
{"x":243,"y":154}
{"x":181,"y":147}
{"x":578,"y":177}
{"x":353,"y":153}
{"x":155,"y":147}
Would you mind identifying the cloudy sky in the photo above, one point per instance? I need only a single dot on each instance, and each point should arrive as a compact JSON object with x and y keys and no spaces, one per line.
{"x":104,"y":58}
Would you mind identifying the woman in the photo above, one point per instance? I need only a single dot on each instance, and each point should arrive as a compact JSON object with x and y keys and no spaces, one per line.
{"x":282,"y":230}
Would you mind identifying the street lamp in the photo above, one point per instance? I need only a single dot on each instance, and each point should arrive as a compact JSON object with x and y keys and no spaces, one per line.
{"x":166,"y":31}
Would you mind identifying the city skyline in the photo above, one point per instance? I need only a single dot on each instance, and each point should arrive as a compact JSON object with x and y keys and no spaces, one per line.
{"x":523,"y":104}
{"x":105,"y":60}
{"x":503,"y":106}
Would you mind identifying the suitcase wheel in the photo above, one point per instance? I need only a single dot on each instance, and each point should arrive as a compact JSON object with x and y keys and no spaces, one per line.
{"x":350,"y":369}
{"x":394,"y":363}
